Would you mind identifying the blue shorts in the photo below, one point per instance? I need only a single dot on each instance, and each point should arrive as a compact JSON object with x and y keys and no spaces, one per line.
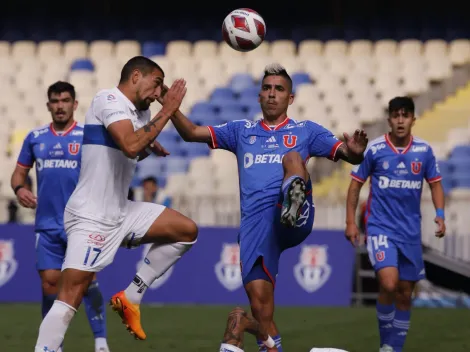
{"x":50,"y":249}
{"x":262,"y":240}
{"x":406,"y":257}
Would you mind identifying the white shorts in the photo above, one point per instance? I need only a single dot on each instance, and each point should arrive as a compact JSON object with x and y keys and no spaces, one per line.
{"x":92,"y":245}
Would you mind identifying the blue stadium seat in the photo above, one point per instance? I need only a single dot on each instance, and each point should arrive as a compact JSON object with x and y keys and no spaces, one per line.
{"x":250,"y":93}
{"x":221,"y":95}
{"x":168,"y":136}
{"x":82,"y":65}
{"x":151,"y":48}
{"x":193,"y":150}
{"x":204,"y":119}
{"x":232,"y":116}
{"x":253,"y":111}
{"x":460,"y":151}
{"x":460,"y":179}
{"x":300,"y":78}
{"x":241,"y":81}
{"x":203,"y":107}
{"x":230,"y":107}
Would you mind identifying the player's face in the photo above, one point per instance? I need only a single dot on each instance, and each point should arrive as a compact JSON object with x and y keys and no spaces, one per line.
{"x":149,"y":87}
{"x":275,"y":96}
{"x":61,"y":106}
{"x":401,"y":122}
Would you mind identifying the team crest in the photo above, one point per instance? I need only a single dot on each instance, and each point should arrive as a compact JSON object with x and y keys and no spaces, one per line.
{"x":252,"y":140}
{"x":385,"y":165}
{"x":416,"y":167}
{"x":313,"y":270}
{"x":74,"y":148}
{"x":228,"y":269}
{"x":289,"y":140}
{"x":380,"y":256}
{"x":162,"y":279}
{"x":8,"y":263}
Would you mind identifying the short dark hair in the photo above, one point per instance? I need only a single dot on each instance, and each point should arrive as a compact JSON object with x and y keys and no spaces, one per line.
{"x":277,"y":70}
{"x":399,"y":103}
{"x":140,"y":63}
{"x":61,"y":87}
{"x":150,"y":179}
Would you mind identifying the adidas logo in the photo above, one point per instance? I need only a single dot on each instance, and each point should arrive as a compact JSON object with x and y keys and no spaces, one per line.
{"x":401,"y":165}
{"x":58,"y":146}
{"x":271,"y":140}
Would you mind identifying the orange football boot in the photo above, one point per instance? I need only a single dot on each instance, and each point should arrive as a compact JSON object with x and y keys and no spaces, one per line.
{"x":129,"y":313}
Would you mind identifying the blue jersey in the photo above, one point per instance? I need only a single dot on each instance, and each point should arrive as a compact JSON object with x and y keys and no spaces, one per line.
{"x":57,"y":158}
{"x":260,"y":148}
{"x":394,"y":205}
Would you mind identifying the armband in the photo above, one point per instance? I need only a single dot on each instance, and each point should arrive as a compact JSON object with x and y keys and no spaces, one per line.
{"x":17,"y":188}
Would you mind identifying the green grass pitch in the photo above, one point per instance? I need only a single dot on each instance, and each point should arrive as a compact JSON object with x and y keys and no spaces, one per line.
{"x":200,"y":328}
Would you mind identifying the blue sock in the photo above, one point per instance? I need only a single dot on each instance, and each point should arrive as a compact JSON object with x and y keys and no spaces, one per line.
{"x":385,"y":316}
{"x":286,"y":184}
{"x":401,"y":325}
{"x":277,"y":341}
{"x":95,"y":310}
{"x":47,"y":302}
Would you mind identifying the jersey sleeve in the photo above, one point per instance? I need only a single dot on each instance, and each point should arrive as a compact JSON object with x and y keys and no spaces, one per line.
{"x":26,"y":156}
{"x":322,"y":142}
{"x":225,"y":136}
{"x":432,"y":172}
{"x":361,"y":172}
{"x":108,"y":109}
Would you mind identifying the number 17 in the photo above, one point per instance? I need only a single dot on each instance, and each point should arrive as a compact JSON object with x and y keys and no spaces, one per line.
{"x":87,"y":255}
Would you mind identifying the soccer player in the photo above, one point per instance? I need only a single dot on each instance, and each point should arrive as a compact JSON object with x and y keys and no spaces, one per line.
{"x":277,"y":211}
{"x":55,"y":150}
{"x":99,"y":218}
{"x":396,"y":163}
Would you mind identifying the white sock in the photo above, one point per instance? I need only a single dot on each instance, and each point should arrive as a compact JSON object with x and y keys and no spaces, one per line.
{"x":54,"y":326}
{"x":225,"y":347}
{"x":158,"y":260}
{"x":101,"y":342}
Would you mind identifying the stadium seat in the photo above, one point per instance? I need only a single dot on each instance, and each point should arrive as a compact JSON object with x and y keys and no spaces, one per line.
{"x":152,"y":48}
{"x":75,"y":49}
{"x":48,"y":50}
{"x":82,"y":65}
{"x":23,"y":49}
{"x":4,"y":49}
{"x":240,"y":82}
{"x":126,"y":49}
{"x":221,"y":95}
{"x":205,"y":48}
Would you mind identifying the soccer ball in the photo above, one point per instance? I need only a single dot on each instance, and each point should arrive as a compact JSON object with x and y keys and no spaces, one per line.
{"x":243,"y":29}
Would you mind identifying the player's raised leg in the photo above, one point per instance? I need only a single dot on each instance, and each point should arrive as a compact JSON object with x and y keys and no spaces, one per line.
{"x":171,"y":234}
{"x":238,"y":323}
{"x":293,"y":187}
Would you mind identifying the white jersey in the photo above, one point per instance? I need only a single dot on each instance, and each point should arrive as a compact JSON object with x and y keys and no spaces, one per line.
{"x":106,"y":173}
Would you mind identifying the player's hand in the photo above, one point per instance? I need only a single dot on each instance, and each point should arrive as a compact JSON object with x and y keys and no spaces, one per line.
{"x":172,"y":99}
{"x":357,"y":143}
{"x":162,"y":94}
{"x":158,"y":149}
{"x":441,"y":227}
{"x":26,"y":198}
{"x":352,"y":234}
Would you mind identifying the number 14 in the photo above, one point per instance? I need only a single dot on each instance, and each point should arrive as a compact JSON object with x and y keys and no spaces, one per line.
{"x":379,"y":241}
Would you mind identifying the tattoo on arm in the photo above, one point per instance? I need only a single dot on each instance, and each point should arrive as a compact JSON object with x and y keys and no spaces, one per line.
{"x":151,"y":123}
{"x":238,"y":322}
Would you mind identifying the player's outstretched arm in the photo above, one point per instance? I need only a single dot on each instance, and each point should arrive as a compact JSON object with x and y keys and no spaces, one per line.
{"x":237,"y":323}
{"x":131,"y":142}
{"x":189,"y":131}
{"x":438,"y":199}
{"x":18,"y":180}
{"x":352,"y":200}
{"x":352,"y":150}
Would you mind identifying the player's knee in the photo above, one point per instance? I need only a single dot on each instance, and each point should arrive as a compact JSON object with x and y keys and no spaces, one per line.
{"x":291,"y":158}
{"x":262,"y":307}
{"x":388,"y":285}
{"x":188,"y":232}
{"x":403,"y":298}
{"x":49,"y":287}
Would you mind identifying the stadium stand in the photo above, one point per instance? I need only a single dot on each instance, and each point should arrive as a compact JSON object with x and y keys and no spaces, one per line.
{"x":340,"y":84}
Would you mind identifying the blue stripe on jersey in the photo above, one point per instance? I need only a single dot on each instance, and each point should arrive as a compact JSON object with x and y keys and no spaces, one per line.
{"x":98,"y":135}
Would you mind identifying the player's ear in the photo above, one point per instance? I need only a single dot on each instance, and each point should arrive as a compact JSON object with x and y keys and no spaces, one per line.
{"x":75,"y":105}
{"x":135,"y":76}
{"x":413,"y":121}
{"x":48,"y":107}
{"x":291,"y":98}
{"x":259,"y":97}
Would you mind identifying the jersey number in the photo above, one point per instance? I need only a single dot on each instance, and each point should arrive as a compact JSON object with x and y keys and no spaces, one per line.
{"x":379,"y":241}
{"x":87,"y":255}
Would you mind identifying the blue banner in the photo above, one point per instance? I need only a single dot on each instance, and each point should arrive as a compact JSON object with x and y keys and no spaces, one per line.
{"x":318,"y":272}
